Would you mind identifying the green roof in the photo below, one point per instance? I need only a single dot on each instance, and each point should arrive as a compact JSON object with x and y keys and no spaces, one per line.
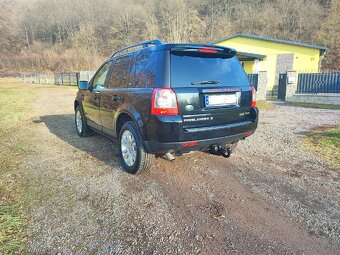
{"x":272,"y":40}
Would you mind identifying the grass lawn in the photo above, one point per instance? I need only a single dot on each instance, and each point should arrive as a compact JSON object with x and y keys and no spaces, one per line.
{"x":15,"y":108}
{"x":313,"y":105}
{"x":266,"y":105}
{"x":15,"y":103}
{"x":325,"y":141}
{"x":61,"y":87}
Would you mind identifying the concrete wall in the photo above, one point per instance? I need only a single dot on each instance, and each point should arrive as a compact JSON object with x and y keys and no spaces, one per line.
{"x":283,"y":64}
{"x":318,"y":99}
{"x":292,"y":79}
{"x":262,"y":86}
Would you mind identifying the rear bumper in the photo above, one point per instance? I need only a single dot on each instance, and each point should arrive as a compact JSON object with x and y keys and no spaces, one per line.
{"x":166,"y":134}
{"x":162,"y":148}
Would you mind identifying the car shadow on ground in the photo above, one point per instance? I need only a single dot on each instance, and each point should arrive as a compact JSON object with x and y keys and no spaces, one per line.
{"x":101,"y":147}
{"x":98,"y":146}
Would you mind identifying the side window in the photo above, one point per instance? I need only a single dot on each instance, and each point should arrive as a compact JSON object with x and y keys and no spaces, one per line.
{"x":143,"y":70}
{"x":99,"y":79}
{"x":120,"y":76}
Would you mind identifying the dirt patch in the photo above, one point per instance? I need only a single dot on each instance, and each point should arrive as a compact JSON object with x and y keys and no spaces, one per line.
{"x":325,"y":128}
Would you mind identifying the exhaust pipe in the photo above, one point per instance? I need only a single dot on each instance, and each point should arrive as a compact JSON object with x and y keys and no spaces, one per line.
{"x":169,"y":156}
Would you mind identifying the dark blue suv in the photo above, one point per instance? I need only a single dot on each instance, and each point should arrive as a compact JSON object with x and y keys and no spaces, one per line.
{"x":168,"y":99}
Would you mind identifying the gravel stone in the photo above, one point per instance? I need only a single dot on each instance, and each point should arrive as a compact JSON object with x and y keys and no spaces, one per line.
{"x":270,"y":197}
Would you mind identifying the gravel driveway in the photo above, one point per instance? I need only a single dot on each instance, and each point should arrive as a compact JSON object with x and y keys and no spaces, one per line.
{"x":270,"y":197}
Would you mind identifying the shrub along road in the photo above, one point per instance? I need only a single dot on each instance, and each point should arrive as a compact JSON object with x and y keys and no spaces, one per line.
{"x":271,"y":197}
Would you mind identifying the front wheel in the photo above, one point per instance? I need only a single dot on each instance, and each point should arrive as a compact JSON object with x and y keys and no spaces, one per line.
{"x":132,"y":154}
{"x":81,"y":123}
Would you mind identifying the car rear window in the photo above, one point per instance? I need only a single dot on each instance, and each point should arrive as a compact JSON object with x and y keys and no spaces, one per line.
{"x":189,"y":67}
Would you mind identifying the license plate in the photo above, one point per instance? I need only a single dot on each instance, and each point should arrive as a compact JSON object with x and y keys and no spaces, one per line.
{"x":220,"y":100}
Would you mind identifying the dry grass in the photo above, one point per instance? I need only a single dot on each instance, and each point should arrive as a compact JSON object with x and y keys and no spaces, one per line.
{"x":12,"y":234}
{"x":325,"y":141}
{"x":44,"y":58}
{"x":15,"y":105}
{"x":14,"y":102}
{"x":317,"y":106}
{"x":266,"y":105}
{"x":16,"y":109}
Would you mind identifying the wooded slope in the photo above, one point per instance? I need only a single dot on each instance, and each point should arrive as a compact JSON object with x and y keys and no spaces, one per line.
{"x":62,"y":35}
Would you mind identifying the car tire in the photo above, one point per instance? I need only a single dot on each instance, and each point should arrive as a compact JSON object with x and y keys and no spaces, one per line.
{"x":81,"y":123}
{"x":133,"y":156}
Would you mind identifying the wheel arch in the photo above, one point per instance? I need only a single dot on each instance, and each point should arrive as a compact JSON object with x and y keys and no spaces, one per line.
{"x":125,"y":116}
{"x":76,"y":104}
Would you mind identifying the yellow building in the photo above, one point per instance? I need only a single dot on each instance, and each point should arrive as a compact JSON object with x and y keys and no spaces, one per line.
{"x":274,"y":56}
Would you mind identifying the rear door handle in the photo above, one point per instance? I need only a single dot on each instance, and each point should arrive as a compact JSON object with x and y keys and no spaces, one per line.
{"x":116,"y":98}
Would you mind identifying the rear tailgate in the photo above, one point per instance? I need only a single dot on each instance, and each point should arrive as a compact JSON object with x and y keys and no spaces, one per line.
{"x":211,"y":87}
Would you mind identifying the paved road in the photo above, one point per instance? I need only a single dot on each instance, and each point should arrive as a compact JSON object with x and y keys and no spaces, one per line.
{"x":270,"y":197}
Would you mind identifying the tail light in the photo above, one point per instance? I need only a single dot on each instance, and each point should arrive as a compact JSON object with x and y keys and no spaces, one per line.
{"x":205,"y":50}
{"x":248,"y":133}
{"x":253,"y":97}
{"x":164,"y":102}
{"x":190,"y":144}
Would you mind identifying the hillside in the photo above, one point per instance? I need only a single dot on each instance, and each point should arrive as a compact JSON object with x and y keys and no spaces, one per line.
{"x":61,"y":35}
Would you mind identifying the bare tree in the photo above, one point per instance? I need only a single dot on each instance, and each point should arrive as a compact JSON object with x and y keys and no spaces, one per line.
{"x":54,"y":34}
{"x":329,"y":35}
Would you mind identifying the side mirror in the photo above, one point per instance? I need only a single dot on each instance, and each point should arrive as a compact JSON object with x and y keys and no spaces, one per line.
{"x":83,"y":85}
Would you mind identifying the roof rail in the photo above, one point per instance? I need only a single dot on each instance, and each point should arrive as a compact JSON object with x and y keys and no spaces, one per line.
{"x":145,"y":44}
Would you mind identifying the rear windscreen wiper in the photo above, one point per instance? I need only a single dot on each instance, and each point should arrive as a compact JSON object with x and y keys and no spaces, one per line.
{"x":204,"y":82}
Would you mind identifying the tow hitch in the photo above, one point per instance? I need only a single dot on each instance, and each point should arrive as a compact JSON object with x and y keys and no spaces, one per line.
{"x":224,"y":151}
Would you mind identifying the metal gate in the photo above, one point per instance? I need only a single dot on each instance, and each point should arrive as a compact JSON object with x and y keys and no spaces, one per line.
{"x":66,"y":78}
{"x":314,"y":83}
{"x":282,"y":86}
{"x":253,"y":79}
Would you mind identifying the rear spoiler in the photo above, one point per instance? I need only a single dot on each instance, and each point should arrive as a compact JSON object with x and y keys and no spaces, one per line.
{"x":205,"y":49}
